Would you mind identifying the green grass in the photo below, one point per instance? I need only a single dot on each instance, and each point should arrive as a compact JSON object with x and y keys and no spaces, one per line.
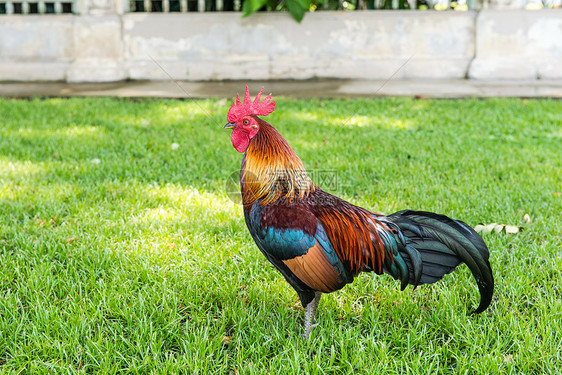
{"x":120,"y":254}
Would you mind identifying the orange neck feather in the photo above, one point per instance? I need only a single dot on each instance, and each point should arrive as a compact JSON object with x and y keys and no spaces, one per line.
{"x":272,"y":170}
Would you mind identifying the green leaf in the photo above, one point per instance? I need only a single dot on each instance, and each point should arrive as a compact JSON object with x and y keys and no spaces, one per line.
{"x":297,"y":8}
{"x":304,"y":3}
{"x":251,"y":6}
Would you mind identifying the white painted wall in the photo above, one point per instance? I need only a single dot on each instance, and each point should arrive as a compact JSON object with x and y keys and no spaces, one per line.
{"x":106,"y":46}
{"x":518,"y":45}
{"x":325,"y":44}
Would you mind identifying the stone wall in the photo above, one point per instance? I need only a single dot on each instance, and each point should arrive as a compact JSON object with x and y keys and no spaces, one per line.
{"x":105,"y":45}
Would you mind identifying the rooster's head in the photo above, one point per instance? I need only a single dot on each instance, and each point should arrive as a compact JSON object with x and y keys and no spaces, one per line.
{"x":243,"y":121}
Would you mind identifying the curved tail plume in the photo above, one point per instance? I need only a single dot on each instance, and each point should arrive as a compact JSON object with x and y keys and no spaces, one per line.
{"x":433,"y":245}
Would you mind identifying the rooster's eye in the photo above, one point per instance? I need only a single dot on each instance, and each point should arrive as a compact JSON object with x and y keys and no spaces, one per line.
{"x":245,"y":122}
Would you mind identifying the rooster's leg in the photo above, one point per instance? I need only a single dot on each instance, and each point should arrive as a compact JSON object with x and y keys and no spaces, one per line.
{"x":309,"y":313}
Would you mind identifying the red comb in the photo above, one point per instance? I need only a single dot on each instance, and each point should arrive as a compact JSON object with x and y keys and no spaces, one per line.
{"x":238,"y":108}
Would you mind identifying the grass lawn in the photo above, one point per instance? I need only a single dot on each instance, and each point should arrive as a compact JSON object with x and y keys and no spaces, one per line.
{"x":121,"y":252}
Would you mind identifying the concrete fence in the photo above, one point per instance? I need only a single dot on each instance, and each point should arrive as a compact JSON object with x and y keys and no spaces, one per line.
{"x":105,"y":45}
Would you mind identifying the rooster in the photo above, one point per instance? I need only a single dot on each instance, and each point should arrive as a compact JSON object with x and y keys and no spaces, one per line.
{"x":320,"y":242}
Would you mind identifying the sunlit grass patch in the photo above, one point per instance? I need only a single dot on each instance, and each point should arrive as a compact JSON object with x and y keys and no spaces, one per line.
{"x":19,"y":169}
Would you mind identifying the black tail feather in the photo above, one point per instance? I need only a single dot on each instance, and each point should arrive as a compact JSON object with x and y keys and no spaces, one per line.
{"x":434,"y":245}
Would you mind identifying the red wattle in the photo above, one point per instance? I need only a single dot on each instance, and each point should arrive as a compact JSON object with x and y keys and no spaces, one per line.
{"x":240,"y":140}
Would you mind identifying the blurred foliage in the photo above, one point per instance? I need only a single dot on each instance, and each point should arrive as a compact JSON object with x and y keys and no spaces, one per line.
{"x":298,"y":8}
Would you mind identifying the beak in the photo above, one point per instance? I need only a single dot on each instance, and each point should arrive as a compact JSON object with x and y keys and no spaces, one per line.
{"x":229,"y":125}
